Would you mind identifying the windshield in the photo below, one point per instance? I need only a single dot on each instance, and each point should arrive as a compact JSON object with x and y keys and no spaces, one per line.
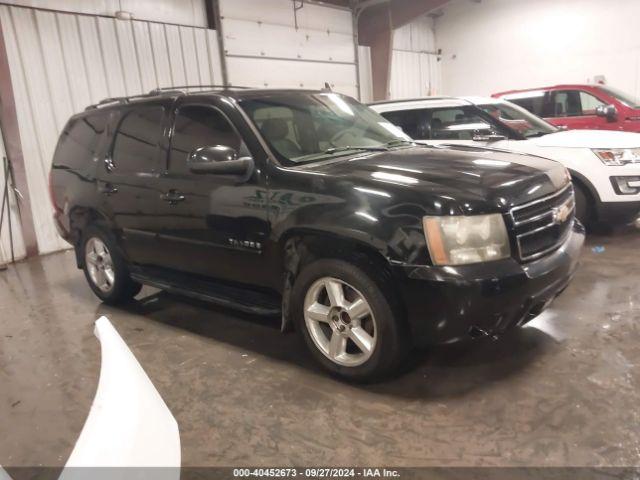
{"x":626,"y":98}
{"x":518,"y":119}
{"x":301,"y":127}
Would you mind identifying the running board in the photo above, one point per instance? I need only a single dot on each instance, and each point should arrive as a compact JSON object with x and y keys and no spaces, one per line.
{"x":237,"y":298}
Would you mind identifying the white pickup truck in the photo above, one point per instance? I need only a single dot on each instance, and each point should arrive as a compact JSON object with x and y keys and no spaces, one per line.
{"x":604,"y":165}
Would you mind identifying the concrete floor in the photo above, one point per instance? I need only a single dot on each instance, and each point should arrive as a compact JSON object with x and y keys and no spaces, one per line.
{"x":563,"y":391}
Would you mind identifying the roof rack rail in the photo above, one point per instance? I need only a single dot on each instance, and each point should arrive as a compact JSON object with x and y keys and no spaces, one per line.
{"x":159,"y":90}
{"x":121,"y":99}
{"x":155,"y":92}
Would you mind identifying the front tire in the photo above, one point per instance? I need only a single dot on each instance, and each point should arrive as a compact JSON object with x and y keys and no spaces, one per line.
{"x":348,"y":322}
{"x":105,"y":269}
{"x":584,"y":210}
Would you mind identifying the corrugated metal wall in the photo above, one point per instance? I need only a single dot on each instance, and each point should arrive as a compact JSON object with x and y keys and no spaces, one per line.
{"x":365,"y":75}
{"x":264,"y":48}
{"x":414,"y":73}
{"x":10,"y":210}
{"x":62,"y":62}
{"x":184,"y":12}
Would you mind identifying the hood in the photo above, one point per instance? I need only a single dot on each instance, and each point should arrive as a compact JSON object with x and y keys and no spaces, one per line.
{"x":589,"y":139}
{"x":455,"y":179}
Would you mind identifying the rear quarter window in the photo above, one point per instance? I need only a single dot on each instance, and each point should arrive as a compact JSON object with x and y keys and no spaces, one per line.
{"x":80,"y":141}
{"x":135,"y":146}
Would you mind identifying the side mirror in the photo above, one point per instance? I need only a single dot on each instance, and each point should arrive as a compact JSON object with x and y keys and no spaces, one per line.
{"x":607,"y":111}
{"x":220,"y":160}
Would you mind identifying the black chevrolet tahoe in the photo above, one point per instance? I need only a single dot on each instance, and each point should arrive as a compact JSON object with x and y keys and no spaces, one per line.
{"x":310,"y":206}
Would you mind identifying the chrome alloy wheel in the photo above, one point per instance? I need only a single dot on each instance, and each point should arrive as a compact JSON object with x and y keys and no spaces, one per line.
{"x":99,"y":264}
{"x":340,"y":322}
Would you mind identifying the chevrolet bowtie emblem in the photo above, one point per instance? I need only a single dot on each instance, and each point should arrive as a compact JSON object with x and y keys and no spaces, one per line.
{"x":561,"y":213}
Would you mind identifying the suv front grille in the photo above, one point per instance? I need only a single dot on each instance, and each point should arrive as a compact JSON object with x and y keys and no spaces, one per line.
{"x":542,"y":225}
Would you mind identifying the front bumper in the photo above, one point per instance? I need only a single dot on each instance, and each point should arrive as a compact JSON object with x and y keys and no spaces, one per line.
{"x":618,"y":212}
{"x":62,"y":226}
{"x":447,"y":304}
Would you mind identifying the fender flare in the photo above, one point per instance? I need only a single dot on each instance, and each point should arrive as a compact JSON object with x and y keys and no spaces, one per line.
{"x":584,"y":182}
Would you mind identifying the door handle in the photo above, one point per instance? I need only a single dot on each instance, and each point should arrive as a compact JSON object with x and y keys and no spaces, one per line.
{"x":108,"y":189}
{"x":172,"y":196}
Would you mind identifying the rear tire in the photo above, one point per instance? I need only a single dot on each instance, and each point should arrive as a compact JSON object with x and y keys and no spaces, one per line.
{"x":105,"y":269}
{"x":348,"y":320}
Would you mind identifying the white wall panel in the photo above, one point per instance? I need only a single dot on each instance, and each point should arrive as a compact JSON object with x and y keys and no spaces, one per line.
{"x":291,"y":74}
{"x":415,"y":71}
{"x":500,"y":45}
{"x":185,"y":12}
{"x":95,"y":69}
{"x":144,"y":55}
{"x":176,"y":61}
{"x":406,"y":77}
{"x":243,"y":37}
{"x":61,"y":62}
{"x":160,"y":51}
{"x":77,"y":76}
{"x":191,"y":66}
{"x":202,"y":57}
{"x":264,"y":48}
{"x":280,"y":12}
{"x":36,"y":119}
{"x":365,"y":74}
{"x":215,"y":61}
{"x":127,"y":50}
{"x":111,"y":51}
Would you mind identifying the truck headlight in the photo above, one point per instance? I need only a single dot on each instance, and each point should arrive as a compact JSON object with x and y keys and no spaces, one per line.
{"x":616,"y":157}
{"x":460,"y":240}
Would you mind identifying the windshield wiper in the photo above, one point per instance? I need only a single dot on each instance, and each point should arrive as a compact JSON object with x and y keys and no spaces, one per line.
{"x":399,"y":141}
{"x":366,"y":148}
{"x":332,"y":150}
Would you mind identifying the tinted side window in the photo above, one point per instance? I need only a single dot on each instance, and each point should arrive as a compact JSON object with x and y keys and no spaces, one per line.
{"x":80,"y":140}
{"x":456,"y":124}
{"x":414,"y":123}
{"x":566,"y":104}
{"x":136,"y":143}
{"x":574,"y":103}
{"x":199,"y":126}
{"x":535,"y":104}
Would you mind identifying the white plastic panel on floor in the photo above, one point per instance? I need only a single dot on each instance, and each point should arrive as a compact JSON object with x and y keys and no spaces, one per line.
{"x":129,"y":424}
{"x":61,"y":62}
{"x":265,"y":48}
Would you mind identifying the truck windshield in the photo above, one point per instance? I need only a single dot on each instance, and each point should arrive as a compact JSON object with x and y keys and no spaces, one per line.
{"x":626,"y":98}
{"x":302,"y":127}
{"x":518,"y":119}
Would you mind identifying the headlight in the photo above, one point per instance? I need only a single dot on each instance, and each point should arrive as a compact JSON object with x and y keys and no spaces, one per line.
{"x":459,"y":240}
{"x":615,"y":157}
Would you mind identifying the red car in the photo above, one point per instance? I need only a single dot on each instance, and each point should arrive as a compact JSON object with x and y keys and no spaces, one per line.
{"x":593,"y":107}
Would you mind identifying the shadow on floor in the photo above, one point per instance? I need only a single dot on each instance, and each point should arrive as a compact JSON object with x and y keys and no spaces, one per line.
{"x":436,"y":373}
